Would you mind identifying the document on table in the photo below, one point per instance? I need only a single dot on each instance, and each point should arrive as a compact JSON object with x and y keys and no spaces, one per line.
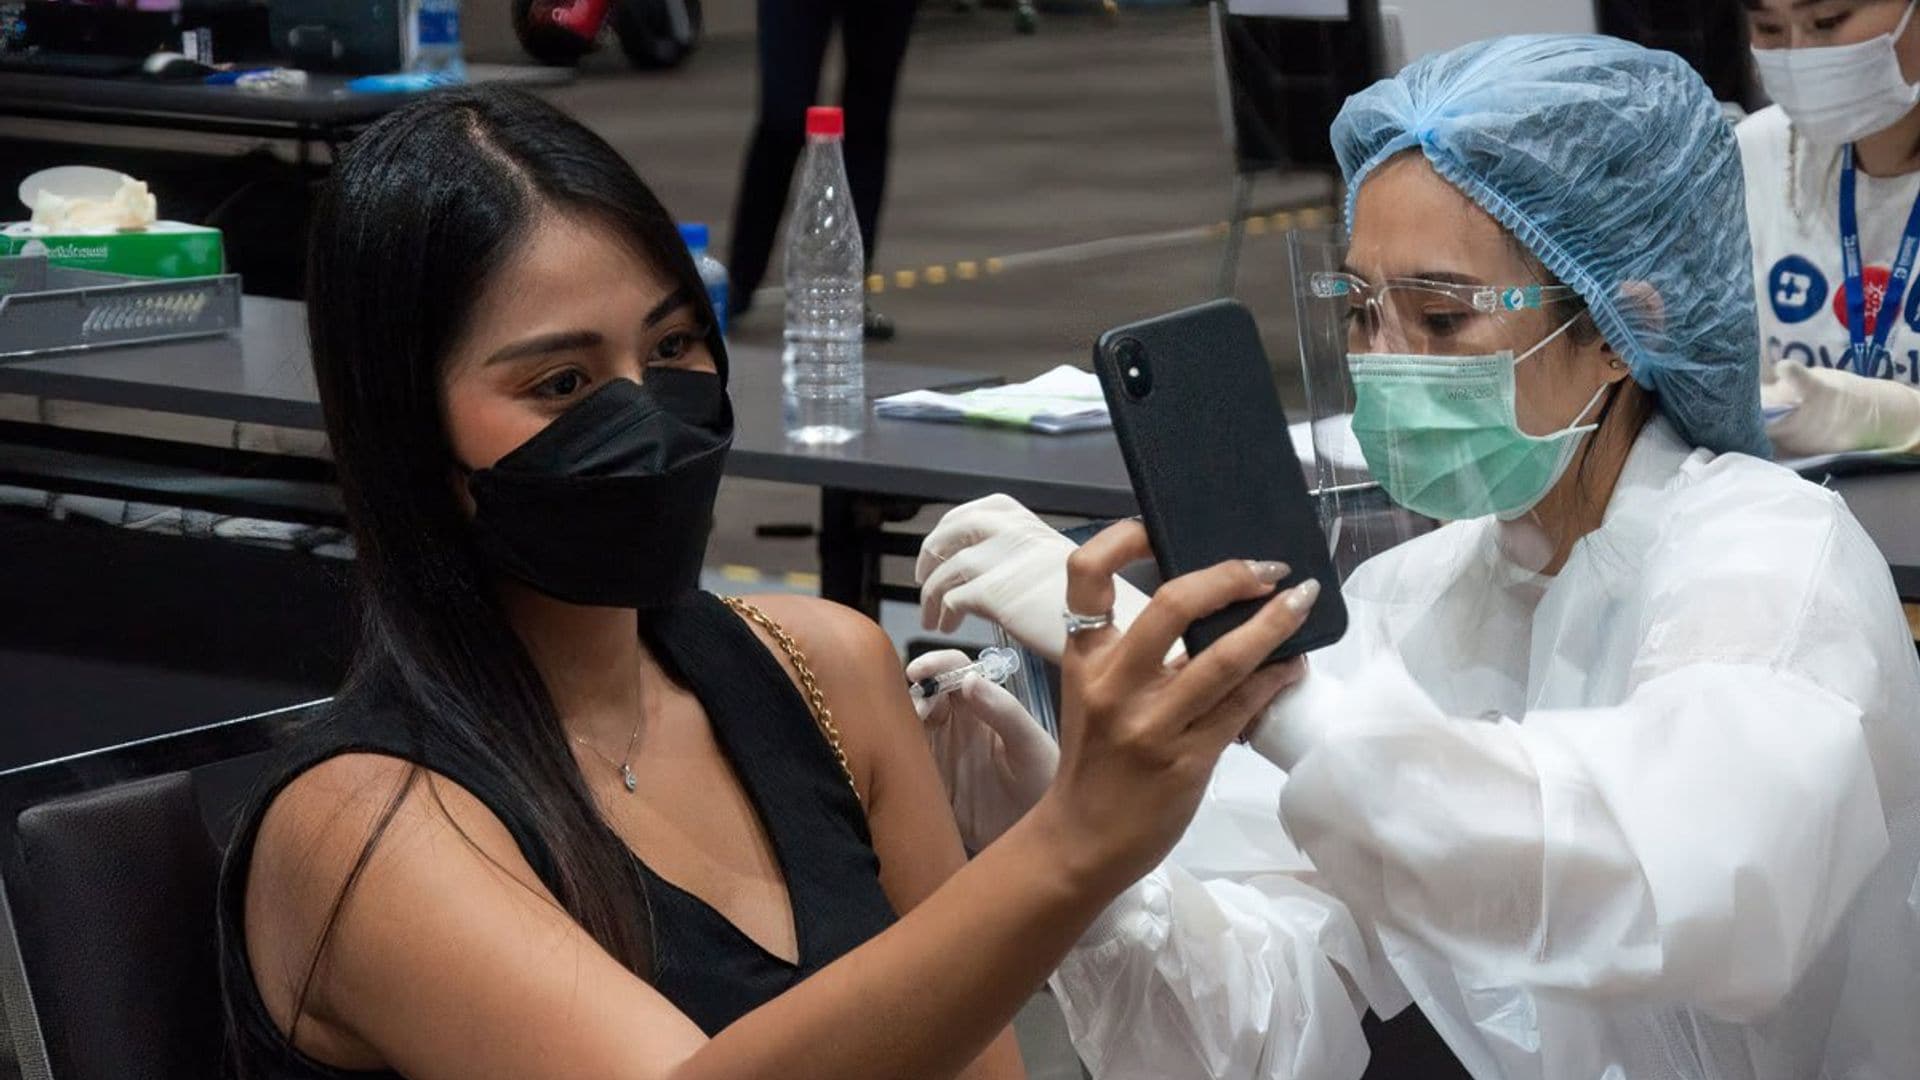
{"x":1059,"y":402}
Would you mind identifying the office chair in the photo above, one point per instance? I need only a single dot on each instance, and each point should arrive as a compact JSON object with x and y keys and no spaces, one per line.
{"x":108,"y":959}
{"x":1280,"y":81}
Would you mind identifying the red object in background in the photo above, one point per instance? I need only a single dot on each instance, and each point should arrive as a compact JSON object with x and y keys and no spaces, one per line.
{"x":580,"y":17}
{"x":652,"y":33}
{"x":558,"y":31}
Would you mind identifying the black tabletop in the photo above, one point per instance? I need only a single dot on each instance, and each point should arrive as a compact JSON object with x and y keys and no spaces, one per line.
{"x":262,"y":375}
{"x":1888,"y":507}
{"x":324,"y":103}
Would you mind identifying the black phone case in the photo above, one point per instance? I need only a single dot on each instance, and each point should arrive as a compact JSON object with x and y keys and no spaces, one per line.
{"x":1212,"y":464}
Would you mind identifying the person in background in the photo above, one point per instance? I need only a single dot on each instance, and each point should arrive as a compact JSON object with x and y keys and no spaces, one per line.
{"x":793,"y":38}
{"x":1833,"y":197}
{"x":1616,"y":775}
{"x":570,"y":816}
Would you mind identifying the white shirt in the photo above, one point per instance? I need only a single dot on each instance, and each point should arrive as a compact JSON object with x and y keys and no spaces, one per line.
{"x":1793,"y":206}
{"x":1657,"y":816}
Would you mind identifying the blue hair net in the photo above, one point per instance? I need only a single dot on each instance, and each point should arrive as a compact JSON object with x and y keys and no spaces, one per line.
{"x":1612,"y":164}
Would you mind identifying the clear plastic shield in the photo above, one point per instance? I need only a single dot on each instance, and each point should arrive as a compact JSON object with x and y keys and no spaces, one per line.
{"x":1359,"y":520}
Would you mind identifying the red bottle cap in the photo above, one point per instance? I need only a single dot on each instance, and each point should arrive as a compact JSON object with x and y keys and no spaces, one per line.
{"x":826,"y":120}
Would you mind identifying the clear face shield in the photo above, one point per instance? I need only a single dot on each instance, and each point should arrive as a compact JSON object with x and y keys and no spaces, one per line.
{"x":1411,"y":393}
{"x":1359,"y":520}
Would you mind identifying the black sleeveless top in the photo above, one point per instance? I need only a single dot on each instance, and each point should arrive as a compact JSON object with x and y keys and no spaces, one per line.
{"x":706,"y":966}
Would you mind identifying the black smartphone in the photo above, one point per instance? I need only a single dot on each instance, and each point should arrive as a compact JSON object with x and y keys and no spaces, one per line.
{"x":1206,"y":444}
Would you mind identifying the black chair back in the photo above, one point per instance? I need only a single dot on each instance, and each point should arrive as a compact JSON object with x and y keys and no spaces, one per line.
{"x":120,"y":891}
{"x":1709,"y":34}
{"x":1287,"y":78}
{"x":108,"y":954}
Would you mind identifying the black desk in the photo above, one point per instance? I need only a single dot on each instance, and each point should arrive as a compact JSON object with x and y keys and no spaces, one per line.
{"x":263,"y":376}
{"x":1888,"y":506}
{"x":324,"y":111}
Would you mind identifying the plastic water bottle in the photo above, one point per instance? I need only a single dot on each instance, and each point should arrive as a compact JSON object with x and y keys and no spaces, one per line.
{"x":712,"y":274}
{"x":825,"y":360}
{"x":435,"y":40}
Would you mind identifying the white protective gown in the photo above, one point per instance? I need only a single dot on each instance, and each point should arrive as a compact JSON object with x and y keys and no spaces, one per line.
{"x":1658,"y":816}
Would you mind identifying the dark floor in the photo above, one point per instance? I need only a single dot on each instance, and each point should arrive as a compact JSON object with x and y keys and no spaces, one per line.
{"x":1052,"y":153}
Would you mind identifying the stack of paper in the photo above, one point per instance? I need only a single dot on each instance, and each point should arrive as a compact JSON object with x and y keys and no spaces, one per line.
{"x":1332,"y":437}
{"x":1063,"y":400}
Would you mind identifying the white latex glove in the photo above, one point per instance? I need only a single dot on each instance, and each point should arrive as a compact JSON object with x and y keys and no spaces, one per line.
{"x":1298,"y":719}
{"x":1839,"y":411}
{"x":994,"y":558}
{"x":994,"y":757}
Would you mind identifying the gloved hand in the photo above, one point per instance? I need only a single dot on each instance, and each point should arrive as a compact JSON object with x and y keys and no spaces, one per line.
{"x":1298,"y":718}
{"x":1839,"y":411}
{"x":995,"y":758}
{"x":993,"y":558}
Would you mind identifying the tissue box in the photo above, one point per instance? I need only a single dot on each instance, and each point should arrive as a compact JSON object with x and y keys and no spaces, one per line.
{"x":166,"y":249}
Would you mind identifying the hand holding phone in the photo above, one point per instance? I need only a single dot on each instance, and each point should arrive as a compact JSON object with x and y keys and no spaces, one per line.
{"x":1205,"y":441}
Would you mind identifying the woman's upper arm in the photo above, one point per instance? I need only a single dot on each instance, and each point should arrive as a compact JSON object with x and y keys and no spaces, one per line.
{"x":861,"y":678}
{"x":448,"y":958}
{"x":907,"y":809}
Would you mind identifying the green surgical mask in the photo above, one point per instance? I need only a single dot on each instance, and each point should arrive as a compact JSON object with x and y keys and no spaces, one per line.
{"x":1440,"y":434}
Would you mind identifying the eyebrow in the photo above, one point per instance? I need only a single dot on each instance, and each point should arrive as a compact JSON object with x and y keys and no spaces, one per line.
{"x":1759,"y":6}
{"x":1440,"y":277}
{"x":675,"y":300}
{"x":1445,"y":277}
{"x":561,"y":341}
{"x":571,"y":340}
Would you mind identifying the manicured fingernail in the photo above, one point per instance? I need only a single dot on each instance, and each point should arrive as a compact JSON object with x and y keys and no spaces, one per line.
{"x":1301,"y":597}
{"x":1269,"y":573}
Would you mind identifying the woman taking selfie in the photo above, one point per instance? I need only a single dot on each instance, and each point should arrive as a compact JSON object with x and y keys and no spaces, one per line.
{"x":571,"y":817}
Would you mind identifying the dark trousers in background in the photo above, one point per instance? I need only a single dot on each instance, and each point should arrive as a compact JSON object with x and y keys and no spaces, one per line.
{"x":793,"y":48}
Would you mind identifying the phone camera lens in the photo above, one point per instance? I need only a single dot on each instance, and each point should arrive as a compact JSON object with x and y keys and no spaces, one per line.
{"x":1136,"y":376}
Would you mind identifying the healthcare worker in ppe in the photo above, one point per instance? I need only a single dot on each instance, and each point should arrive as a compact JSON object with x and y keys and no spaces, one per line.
{"x":1616,"y":775}
{"x":1833,"y":193}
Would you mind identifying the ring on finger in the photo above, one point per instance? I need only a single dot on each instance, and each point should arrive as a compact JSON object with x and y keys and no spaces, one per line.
{"x":1077,"y":623}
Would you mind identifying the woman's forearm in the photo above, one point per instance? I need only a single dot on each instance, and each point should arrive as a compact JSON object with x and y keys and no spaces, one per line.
{"x":927,"y":996}
{"x":1001,"y":1061}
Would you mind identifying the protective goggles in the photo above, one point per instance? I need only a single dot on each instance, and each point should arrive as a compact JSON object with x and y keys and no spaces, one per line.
{"x":1433,"y":318}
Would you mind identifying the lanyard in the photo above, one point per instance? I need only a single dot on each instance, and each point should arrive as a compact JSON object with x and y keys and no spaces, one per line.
{"x":1866,"y":357}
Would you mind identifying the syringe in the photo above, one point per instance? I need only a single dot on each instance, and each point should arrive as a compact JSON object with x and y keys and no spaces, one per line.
{"x":995,"y":663}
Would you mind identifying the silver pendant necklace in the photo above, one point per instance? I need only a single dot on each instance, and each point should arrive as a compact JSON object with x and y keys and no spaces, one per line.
{"x":624,"y":766}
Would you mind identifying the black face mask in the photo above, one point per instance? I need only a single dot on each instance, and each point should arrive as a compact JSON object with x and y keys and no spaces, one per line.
{"x":612,"y":503}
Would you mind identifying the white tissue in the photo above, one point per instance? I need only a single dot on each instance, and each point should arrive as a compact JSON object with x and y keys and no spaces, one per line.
{"x":131,"y":207}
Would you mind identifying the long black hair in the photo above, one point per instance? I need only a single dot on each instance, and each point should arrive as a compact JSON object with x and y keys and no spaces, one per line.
{"x":424,"y":208}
